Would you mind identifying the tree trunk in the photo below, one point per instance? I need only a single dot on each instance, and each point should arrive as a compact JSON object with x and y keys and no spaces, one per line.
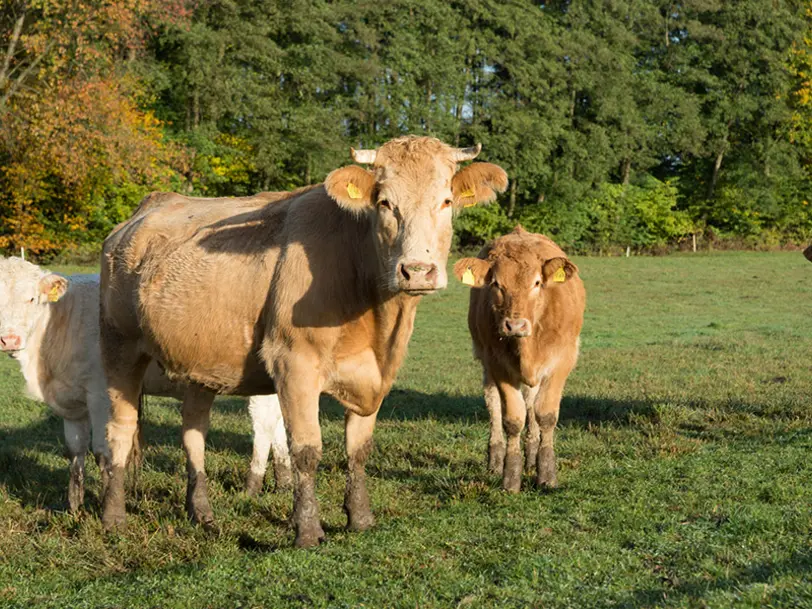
{"x":512,"y":203}
{"x":625,"y":170}
{"x":12,"y":45}
{"x":717,"y":165}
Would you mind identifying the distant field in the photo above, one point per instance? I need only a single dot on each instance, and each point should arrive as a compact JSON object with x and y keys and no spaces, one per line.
{"x":685,"y":463}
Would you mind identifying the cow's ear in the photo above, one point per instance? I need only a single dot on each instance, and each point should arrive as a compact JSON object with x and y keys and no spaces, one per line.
{"x":351,"y":187}
{"x":556,"y":271}
{"x":478,"y":183}
{"x":52,"y":287}
{"x":472,"y":271}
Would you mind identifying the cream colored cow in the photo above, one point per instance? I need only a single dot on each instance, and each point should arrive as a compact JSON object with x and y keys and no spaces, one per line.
{"x":50,"y":325}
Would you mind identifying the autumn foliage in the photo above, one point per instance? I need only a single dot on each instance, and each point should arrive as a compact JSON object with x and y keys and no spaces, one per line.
{"x":74,"y":132}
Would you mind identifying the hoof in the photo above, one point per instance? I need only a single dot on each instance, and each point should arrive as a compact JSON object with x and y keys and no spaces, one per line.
{"x":512,"y":476}
{"x":253,"y":485}
{"x":309,"y":537}
{"x":546,"y":476}
{"x":360,"y":523}
{"x":113,"y":522}
{"x":283,"y":477}
{"x":496,"y":459}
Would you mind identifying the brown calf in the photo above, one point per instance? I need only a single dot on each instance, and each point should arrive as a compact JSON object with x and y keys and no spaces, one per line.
{"x":525,"y":316}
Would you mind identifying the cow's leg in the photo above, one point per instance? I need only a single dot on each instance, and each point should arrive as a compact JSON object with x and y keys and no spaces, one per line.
{"x":531,"y":440}
{"x":98,"y":405}
{"x":546,"y":410}
{"x":269,"y":435}
{"x":124,"y":366}
{"x":299,"y":388}
{"x":196,"y":413}
{"x":513,"y":417}
{"x":496,"y":441}
{"x":77,"y":439}
{"x":358,"y":442}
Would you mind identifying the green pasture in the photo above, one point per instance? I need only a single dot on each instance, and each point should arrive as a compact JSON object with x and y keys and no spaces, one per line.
{"x":684,"y":452}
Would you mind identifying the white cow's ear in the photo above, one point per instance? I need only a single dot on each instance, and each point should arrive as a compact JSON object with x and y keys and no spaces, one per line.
{"x":351,"y":187}
{"x":52,"y":287}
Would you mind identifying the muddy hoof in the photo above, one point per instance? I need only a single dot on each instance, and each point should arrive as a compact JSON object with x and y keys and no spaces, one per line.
{"x":530,"y":456}
{"x":254,"y":483}
{"x":546,"y":476}
{"x":309,"y":537}
{"x":283,"y":477}
{"x":496,"y":459}
{"x":360,"y":523}
{"x":512,"y":477}
{"x":76,"y":493}
{"x":197,"y":502}
{"x":114,"y":520}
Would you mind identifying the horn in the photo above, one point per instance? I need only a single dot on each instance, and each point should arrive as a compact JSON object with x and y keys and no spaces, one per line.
{"x":466,"y":154}
{"x":363,"y":156}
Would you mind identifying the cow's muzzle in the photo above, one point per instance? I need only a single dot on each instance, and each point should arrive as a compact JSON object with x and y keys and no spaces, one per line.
{"x":517,"y":326}
{"x":10,"y":343}
{"x":418,"y":277}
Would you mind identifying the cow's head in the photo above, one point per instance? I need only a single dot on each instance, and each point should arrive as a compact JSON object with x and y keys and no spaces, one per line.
{"x":517,"y":281}
{"x":25,"y":291}
{"x":410,"y":193}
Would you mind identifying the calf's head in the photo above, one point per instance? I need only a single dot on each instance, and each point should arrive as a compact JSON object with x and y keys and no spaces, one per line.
{"x":517,"y":284}
{"x":25,"y":292}
{"x":410,"y":194}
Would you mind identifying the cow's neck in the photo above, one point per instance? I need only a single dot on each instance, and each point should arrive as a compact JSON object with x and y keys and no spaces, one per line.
{"x":395,"y":323}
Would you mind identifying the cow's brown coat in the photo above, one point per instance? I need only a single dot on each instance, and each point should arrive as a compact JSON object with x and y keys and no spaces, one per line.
{"x":514,"y":281}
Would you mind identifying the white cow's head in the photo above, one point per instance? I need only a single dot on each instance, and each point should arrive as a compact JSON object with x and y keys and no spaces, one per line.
{"x":411,"y":193}
{"x":25,"y":292}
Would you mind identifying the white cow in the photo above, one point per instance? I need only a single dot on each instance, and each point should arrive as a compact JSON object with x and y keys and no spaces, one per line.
{"x":50,"y":325}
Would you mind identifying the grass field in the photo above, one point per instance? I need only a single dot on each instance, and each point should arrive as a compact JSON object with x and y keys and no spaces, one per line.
{"x":685,"y":463}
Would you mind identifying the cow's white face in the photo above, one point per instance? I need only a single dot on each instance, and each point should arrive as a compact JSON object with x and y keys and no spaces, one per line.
{"x":25,"y":292}
{"x":411,"y":194}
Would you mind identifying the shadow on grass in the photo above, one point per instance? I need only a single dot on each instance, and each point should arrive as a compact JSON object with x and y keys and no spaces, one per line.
{"x":26,"y":477}
{"x":695,"y":589}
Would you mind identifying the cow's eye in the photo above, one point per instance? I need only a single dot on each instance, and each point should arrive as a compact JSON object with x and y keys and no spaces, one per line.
{"x":448,"y":203}
{"x":538,"y":283}
{"x":32,"y":300}
{"x":385,"y":203}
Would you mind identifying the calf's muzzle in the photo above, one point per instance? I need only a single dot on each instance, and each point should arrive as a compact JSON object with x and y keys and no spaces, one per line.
{"x":516,"y":326}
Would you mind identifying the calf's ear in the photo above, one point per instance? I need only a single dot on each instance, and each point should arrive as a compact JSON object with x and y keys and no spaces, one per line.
{"x":52,"y":287}
{"x":556,"y":271}
{"x":478,"y":183}
{"x":351,"y":187}
{"x":472,"y":271}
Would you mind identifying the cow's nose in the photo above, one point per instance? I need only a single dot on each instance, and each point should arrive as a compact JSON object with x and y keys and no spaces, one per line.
{"x":418,"y":276}
{"x":10,"y":342}
{"x":516,"y":326}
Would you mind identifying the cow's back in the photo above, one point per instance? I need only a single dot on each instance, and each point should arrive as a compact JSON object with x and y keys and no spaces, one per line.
{"x":189,"y":278}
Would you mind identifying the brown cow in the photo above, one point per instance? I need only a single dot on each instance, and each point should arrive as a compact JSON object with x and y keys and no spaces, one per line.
{"x":525,"y":316}
{"x":314,"y":294}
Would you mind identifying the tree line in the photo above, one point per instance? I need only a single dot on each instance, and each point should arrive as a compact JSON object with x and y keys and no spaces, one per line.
{"x":621,"y":123}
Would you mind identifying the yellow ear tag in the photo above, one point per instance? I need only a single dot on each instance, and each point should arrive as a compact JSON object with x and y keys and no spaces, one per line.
{"x":468,"y":277}
{"x":468,"y":194}
{"x":53,"y":294}
{"x":560,"y":276}
{"x":353,"y":191}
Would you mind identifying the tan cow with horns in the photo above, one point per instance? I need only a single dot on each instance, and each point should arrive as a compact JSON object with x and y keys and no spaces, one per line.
{"x":313,"y":294}
{"x":525,"y":316}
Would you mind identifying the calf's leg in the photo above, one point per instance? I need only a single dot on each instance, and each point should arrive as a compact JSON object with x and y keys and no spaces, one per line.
{"x":77,"y":438}
{"x":98,"y":405}
{"x":546,"y":411}
{"x":196,"y":414}
{"x":532,"y":438}
{"x":358,"y":442}
{"x":496,"y":441}
{"x":513,"y":415}
{"x":124,"y":367}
